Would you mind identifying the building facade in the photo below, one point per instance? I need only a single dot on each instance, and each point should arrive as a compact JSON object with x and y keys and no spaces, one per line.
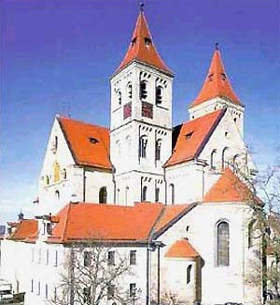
{"x":171,"y":197}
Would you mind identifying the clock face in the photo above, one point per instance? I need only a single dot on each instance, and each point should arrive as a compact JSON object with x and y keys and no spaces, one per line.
{"x":147,"y":110}
{"x":127,"y":110}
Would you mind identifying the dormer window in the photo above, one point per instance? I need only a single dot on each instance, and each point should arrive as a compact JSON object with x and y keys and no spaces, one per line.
{"x":93,"y":140}
{"x":49,"y":228}
{"x":210,"y":77}
{"x":148,"y":41}
{"x":189,"y":135}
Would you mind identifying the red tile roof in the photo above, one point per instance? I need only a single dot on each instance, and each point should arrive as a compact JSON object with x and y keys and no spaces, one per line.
{"x":170,"y":213}
{"x":229,"y":188}
{"x":142,"y":48}
{"x":89,"y":144}
{"x":216,"y":83}
{"x":193,"y":137}
{"x":25,"y":229}
{"x":106,"y":222}
{"x":181,"y":249}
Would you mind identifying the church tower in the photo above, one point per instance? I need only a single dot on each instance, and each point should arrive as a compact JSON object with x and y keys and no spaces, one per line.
{"x":141,"y":120}
{"x":217,"y":93}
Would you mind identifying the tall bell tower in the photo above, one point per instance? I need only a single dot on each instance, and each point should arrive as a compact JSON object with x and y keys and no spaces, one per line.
{"x":141,"y":120}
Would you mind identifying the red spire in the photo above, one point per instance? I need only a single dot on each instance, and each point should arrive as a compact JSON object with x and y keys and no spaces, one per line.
{"x":142,"y":48}
{"x":216,"y":83}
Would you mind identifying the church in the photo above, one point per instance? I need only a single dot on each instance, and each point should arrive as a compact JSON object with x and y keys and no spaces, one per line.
{"x":169,"y":197}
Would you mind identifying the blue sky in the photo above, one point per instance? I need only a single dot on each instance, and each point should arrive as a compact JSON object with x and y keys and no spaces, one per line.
{"x":57,"y":56}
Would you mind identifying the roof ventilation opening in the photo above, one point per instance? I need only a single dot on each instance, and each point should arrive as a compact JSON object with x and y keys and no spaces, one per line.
{"x":189,"y":135}
{"x":133,"y":41}
{"x":148,"y":41}
{"x":93,"y":140}
{"x":223,"y":76}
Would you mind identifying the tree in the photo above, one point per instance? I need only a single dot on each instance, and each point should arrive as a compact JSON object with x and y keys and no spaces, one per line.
{"x":93,"y":274}
{"x":265,"y":227}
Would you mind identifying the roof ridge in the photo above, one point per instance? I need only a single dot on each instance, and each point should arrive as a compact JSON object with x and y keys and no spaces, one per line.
{"x":210,"y":132}
{"x":151,"y":233}
{"x":67,"y":140}
{"x":66,"y":222}
{"x":187,"y":209}
{"x":81,"y":121}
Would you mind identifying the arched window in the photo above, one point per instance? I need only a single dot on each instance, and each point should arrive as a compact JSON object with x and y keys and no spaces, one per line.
{"x":103,"y":195}
{"x":157,"y":194}
{"x":158,"y":150}
{"x":250,"y":233}
{"x":144,"y":193}
{"x":143,"y":146}
{"x":158,"y":95}
{"x":222,"y":251}
{"x":212,"y":159}
{"x":129,"y":90}
{"x":224,"y":162}
{"x":189,"y":273}
{"x":235,"y":163}
{"x":126,"y":194}
{"x":56,"y":172}
{"x":172,"y":193}
{"x":119,"y":94}
{"x":47,"y":180}
{"x":64,"y":173}
{"x":57,"y":195}
{"x":143,"y":90}
{"x":55,"y":142}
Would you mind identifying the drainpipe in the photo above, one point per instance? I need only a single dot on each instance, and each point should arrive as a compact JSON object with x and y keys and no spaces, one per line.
{"x":141,"y":187}
{"x":158,"y":276}
{"x":165,"y":186}
{"x":115,"y":186}
{"x":72,"y":283}
{"x":148,"y":276}
{"x":139,"y":132}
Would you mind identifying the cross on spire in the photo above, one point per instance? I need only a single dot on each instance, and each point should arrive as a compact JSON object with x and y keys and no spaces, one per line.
{"x":216,"y":46}
{"x":141,"y":6}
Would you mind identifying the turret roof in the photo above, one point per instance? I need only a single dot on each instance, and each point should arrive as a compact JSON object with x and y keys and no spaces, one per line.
{"x":216,"y":83}
{"x":142,"y":48}
{"x":229,"y":188}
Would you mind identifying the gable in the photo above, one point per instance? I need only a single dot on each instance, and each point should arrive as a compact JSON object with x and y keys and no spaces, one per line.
{"x":227,"y":136}
{"x":56,"y":155}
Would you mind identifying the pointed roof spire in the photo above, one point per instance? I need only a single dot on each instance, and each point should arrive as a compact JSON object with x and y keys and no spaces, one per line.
{"x":141,"y":47}
{"x":216,"y":83}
